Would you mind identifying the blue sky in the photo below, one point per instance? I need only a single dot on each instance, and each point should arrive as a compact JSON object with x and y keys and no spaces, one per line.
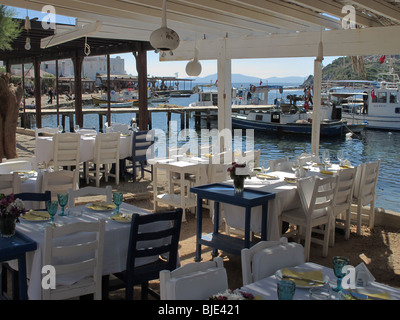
{"x":260,"y":68}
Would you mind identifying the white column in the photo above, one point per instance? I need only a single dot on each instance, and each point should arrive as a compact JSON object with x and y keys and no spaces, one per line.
{"x":224,"y":94}
{"x":316,"y":120}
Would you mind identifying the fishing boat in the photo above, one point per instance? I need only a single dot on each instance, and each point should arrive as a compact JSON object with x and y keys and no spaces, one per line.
{"x":376,"y":104}
{"x":98,"y":101}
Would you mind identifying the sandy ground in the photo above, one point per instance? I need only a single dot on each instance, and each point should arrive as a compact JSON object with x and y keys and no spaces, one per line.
{"x":377,"y":248}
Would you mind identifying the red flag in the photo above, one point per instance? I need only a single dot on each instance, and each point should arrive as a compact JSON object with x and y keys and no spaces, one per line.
{"x":261,"y":82}
{"x":382,"y":59}
{"x":373,"y":96}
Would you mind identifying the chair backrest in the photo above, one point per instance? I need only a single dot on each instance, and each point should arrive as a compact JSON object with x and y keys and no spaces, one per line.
{"x":39,"y":199}
{"x":344,"y":190}
{"x":252,"y":156}
{"x":60,"y":181}
{"x":282,"y":164}
{"x":118,"y":127}
{"x":316,"y":195}
{"x":194,"y":281}
{"x":89,"y":191}
{"x":266,"y":257}
{"x":143,"y":145}
{"x":45,"y":131}
{"x":80,"y":258}
{"x":167,"y":236}
{"x":107,"y":148}
{"x":21,"y":163}
{"x":87,"y":131}
{"x":306,"y":157}
{"x":66,"y":150}
{"x":10,"y":183}
{"x":367,"y":182}
{"x":217,"y":172}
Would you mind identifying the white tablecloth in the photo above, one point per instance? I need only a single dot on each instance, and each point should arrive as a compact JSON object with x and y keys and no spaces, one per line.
{"x":267,"y":287}
{"x":44,"y":148}
{"x":115,"y":244}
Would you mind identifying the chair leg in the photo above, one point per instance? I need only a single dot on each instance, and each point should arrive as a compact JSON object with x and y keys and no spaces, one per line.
{"x":332,"y":232}
{"x":326,"y":237}
{"x":347,"y":225}
{"x":372,"y":215}
{"x":359,"y":216}
{"x":307,"y":243}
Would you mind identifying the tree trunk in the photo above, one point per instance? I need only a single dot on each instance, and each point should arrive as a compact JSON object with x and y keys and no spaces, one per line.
{"x":10,"y":99}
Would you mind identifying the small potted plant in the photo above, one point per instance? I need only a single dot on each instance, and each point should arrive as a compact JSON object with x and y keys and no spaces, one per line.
{"x":11,"y":209}
{"x":238,"y":174}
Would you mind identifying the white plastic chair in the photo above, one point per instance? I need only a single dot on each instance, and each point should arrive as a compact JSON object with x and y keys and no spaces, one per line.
{"x":45,"y":131}
{"x":60,"y":181}
{"x":89,"y":191}
{"x":282,"y":164}
{"x":10,"y":183}
{"x":106,"y":153}
{"x":316,"y":197}
{"x":20,"y":163}
{"x":266,"y":257}
{"x":65,"y":150}
{"x":78,"y":260}
{"x":364,"y":191}
{"x":252,"y":156}
{"x":194,"y":281}
{"x":342,"y":201}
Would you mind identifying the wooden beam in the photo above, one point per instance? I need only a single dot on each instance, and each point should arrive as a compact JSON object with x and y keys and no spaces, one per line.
{"x":382,"y":8}
{"x":38,"y":93}
{"x":141,"y":67}
{"x":77,"y":61}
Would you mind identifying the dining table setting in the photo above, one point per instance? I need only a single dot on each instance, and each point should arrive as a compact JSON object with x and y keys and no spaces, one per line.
{"x":117,"y":215}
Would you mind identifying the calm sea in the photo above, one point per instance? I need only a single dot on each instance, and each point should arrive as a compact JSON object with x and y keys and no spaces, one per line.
{"x":369,"y":146}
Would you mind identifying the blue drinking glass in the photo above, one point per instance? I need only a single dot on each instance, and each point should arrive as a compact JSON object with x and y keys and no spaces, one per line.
{"x":62,"y":200}
{"x":52,"y":207}
{"x":338,"y":264}
{"x":286,"y":289}
{"x":117,"y":198}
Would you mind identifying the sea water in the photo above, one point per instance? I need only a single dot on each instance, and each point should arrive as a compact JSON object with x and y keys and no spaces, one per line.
{"x":368,"y":146}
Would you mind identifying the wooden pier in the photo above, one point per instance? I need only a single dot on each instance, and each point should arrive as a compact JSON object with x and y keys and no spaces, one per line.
{"x":185,"y":112}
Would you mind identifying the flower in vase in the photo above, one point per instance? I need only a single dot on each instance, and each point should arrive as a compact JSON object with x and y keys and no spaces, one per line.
{"x":11,"y":207}
{"x":238,"y":170}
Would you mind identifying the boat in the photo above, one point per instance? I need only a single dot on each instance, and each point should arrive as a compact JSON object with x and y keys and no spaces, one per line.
{"x":97,"y":101}
{"x":376,"y":104}
{"x":279,"y":122}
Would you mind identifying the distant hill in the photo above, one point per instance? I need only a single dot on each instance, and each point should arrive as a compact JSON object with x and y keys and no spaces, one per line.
{"x":240,"y":78}
{"x":342,"y":69}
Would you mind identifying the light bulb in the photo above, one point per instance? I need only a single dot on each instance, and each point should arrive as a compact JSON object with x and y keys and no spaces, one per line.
{"x":28,"y":44}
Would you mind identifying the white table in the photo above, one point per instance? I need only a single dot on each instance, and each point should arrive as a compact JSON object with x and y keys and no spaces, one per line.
{"x":267,"y":287}
{"x":115,"y":243}
{"x":44,"y":148}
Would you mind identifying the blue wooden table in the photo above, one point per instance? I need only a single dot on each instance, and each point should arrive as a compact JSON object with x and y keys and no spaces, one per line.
{"x":16,"y":247}
{"x":221,"y":193}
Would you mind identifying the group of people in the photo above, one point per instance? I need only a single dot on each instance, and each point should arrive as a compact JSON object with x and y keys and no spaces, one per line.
{"x":51,"y":93}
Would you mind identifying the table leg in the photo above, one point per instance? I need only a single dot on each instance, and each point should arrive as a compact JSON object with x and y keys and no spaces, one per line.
{"x":216,"y":225}
{"x":22,"y":278}
{"x":155,"y":187}
{"x":264,"y":222}
{"x":199,"y":229}
{"x":247,"y":228}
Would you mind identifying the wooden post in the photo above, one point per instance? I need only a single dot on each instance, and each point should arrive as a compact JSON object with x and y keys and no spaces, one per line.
{"x":38,"y":93}
{"x":141,"y":67}
{"x":108,"y":91}
{"x":77,"y":60}
{"x":58,"y":98}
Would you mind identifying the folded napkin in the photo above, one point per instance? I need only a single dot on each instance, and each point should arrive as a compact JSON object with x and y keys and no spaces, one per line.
{"x":122,"y":218}
{"x":291,"y":180}
{"x":365,"y":294}
{"x":346,"y":163}
{"x":303,"y":277}
{"x":98,"y":205}
{"x":327,"y":172}
{"x":363,"y":276}
{"x":36,"y":215}
{"x":267,"y":176}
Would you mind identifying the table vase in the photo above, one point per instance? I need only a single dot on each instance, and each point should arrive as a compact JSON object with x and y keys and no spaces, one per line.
{"x":7,"y":226}
{"x":238,"y":183}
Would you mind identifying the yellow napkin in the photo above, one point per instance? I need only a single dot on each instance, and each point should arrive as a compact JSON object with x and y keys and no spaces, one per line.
{"x":374,"y":294}
{"x":121,"y":218}
{"x":266,"y":176}
{"x":318,"y":164}
{"x":98,"y":205}
{"x":308,"y":275}
{"x":36,"y":215}
{"x":326,"y":172}
{"x":345,"y":167}
{"x":291,"y":180}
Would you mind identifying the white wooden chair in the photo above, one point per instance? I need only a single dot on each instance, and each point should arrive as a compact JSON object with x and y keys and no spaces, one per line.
{"x":10,"y":183}
{"x":118,"y":127}
{"x":60,"y":181}
{"x":316,"y":197}
{"x":282,"y":164}
{"x":252,"y":156}
{"x":65,"y":150}
{"x":266,"y":257}
{"x":20,"y":163}
{"x":89,"y":191}
{"x":48,"y":131}
{"x":194,"y":281}
{"x":106,"y":153}
{"x":78,"y":262}
{"x":306,"y":157}
{"x":342,"y":201}
{"x":364,"y":191}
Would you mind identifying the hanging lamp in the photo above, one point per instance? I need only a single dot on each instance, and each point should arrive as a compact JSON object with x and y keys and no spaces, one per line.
{"x":27,"y":27}
{"x":164,"y":39}
{"x":193,"y":68}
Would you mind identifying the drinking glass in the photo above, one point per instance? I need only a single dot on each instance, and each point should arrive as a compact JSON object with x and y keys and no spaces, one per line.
{"x":117,"y":198}
{"x":62,"y":200}
{"x":76,"y":128}
{"x":52,"y":207}
{"x":340,"y":156}
{"x":338,"y":264}
{"x":286,"y":289}
{"x":326,"y":158}
{"x":60,"y":128}
{"x":265,"y":166}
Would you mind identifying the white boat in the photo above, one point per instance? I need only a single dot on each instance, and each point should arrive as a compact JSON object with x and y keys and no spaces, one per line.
{"x":377,"y":104}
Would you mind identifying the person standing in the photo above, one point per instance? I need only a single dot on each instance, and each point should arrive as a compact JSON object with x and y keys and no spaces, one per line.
{"x":50,"y":101}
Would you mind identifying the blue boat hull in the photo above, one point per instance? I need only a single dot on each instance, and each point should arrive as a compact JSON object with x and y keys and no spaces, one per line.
{"x":335,"y":128}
